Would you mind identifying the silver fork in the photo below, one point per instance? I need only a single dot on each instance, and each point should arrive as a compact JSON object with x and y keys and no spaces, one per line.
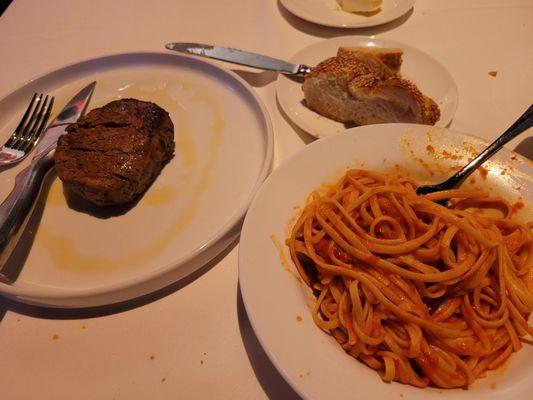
{"x":28,"y":131}
{"x":520,"y":125}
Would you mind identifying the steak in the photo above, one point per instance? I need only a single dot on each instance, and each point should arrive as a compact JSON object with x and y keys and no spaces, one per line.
{"x":114,"y":153}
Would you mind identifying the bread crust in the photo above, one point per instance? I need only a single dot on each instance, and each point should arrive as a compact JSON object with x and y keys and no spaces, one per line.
{"x":392,"y":58}
{"x":361,"y":88}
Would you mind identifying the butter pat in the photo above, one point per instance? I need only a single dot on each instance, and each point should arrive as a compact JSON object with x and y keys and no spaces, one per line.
{"x":360,"y":5}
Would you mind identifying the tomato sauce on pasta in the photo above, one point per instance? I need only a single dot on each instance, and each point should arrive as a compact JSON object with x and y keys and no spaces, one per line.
{"x":422,"y":293}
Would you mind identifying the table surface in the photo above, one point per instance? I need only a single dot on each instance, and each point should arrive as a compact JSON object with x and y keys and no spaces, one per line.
{"x":194,"y":339}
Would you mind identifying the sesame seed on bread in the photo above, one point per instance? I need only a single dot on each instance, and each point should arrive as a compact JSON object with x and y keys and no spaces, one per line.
{"x":360,"y":88}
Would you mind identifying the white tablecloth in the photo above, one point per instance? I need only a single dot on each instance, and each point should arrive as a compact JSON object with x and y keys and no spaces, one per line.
{"x":194,"y":340}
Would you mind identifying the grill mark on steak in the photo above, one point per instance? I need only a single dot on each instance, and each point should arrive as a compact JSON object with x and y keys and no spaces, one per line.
{"x":123,"y":177}
{"x":114,"y":153}
{"x":107,"y":125}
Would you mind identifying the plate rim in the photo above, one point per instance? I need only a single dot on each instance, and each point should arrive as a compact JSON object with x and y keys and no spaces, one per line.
{"x":289,"y":6}
{"x":282,"y":79}
{"x":45,"y":296}
{"x":299,"y":386}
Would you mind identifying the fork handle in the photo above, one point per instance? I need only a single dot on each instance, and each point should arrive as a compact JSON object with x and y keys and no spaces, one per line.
{"x":521,"y":124}
{"x":16,"y":209}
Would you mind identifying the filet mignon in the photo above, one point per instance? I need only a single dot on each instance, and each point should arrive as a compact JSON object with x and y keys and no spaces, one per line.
{"x":112,"y":155}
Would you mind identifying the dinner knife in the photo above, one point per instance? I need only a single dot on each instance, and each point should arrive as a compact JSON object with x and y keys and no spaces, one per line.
{"x":16,"y":209}
{"x":240,"y":57}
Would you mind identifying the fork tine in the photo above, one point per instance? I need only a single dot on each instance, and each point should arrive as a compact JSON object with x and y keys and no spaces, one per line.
{"x":30,"y":130}
{"x":25,"y":129}
{"x":22,"y":134}
{"x":40,"y":123}
{"x":36,"y":117}
{"x":14,"y":136}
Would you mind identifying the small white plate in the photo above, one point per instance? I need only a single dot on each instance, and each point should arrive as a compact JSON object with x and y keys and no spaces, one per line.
{"x":329,"y":13}
{"x":431,"y":77}
{"x":280,"y":306}
{"x":191,"y":212}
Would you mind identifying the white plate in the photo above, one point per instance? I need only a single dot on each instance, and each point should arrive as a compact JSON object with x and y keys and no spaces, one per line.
{"x":328,"y":13}
{"x":431,"y":77}
{"x":310,"y":360}
{"x":190,"y":213}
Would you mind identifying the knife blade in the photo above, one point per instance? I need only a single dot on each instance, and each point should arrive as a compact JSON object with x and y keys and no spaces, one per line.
{"x":68,"y":115}
{"x":240,"y":57}
{"x":16,"y":209}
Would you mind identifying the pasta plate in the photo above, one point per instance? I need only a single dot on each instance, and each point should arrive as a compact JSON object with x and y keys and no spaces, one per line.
{"x":280,"y":305}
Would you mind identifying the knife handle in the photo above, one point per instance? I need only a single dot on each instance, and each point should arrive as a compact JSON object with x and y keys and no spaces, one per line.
{"x":16,"y":209}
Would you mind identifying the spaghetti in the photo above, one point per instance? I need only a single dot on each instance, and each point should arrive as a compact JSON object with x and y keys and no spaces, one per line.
{"x":422,"y":293}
